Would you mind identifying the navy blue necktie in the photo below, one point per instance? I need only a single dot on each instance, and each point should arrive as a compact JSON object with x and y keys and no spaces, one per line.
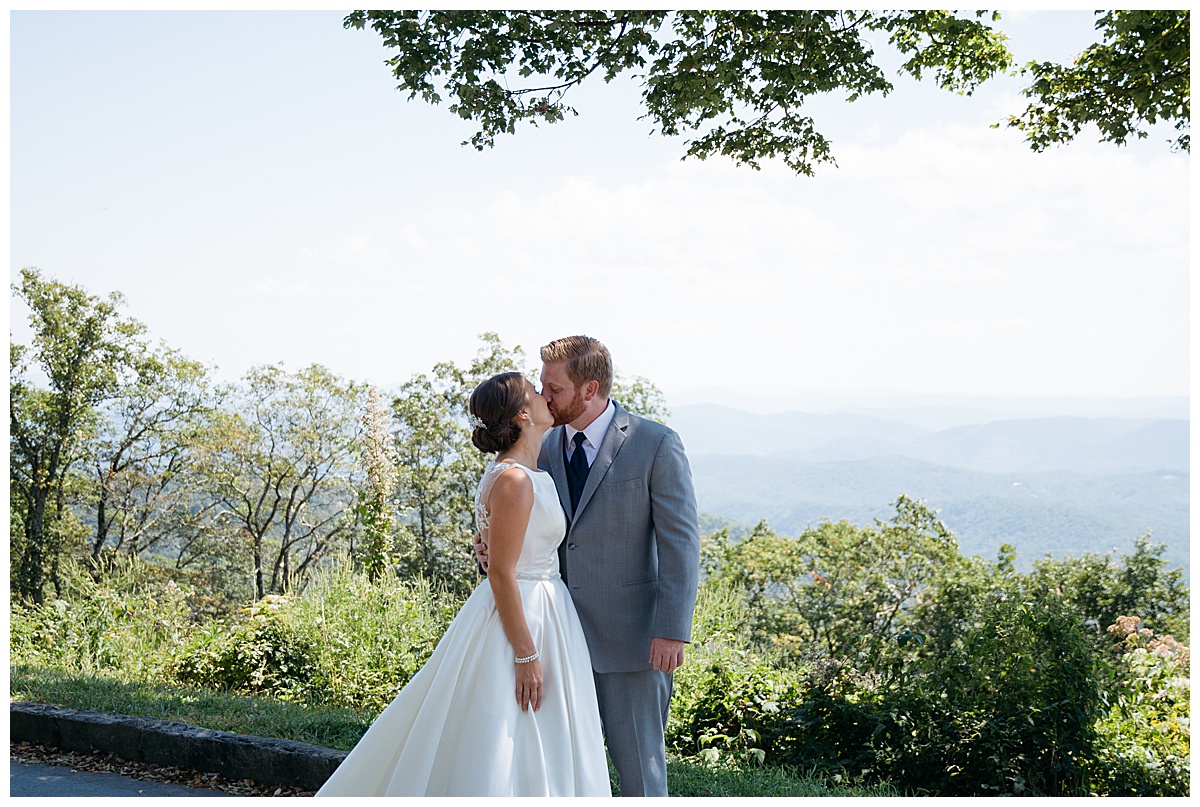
{"x":578,"y":471}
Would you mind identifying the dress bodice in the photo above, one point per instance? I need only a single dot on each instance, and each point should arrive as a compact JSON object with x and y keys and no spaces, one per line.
{"x":547,"y":522}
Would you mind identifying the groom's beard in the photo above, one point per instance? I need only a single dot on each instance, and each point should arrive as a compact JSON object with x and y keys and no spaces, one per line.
{"x":573,"y":410}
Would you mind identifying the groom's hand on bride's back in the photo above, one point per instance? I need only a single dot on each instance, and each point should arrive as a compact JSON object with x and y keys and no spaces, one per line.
{"x":481,"y":553}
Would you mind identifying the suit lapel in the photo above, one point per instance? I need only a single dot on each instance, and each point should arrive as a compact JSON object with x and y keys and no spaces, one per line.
{"x":609,"y":446}
{"x":557,"y":466}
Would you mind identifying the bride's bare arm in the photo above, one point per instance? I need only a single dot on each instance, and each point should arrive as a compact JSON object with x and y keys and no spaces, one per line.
{"x":509,"y":505}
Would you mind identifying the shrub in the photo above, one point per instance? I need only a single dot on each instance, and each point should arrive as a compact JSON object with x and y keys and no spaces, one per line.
{"x":256,"y":654}
{"x":1143,"y":745}
{"x":834,"y":721}
{"x":845,"y":589}
{"x":733,"y":709}
{"x":1103,"y":587}
{"x":1011,"y":712}
{"x":342,"y":641}
{"x":129,"y":620}
{"x":728,"y":695}
{"x":368,"y":639}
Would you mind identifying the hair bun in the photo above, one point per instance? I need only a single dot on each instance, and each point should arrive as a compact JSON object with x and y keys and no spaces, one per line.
{"x":494,"y":407}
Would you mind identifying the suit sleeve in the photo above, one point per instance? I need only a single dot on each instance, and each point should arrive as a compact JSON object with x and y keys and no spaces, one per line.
{"x":677,"y":533}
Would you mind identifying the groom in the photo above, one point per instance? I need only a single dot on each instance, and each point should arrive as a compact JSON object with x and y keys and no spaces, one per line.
{"x":631,"y":557}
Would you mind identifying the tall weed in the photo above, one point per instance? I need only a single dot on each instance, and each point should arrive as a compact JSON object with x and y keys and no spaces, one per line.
{"x":367,"y":639}
{"x":342,"y":641}
{"x":130,"y":620}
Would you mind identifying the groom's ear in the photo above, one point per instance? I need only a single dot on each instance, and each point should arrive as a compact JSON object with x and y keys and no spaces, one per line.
{"x":590,"y":389}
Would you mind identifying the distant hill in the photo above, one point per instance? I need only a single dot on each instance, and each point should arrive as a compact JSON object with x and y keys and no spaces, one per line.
{"x":1087,"y":445}
{"x":1090,"y":445}
{"x":937,"y":411}
{"x":1054,"y":512}
{"x":712,"y":429}
{"x":1059,"y":485}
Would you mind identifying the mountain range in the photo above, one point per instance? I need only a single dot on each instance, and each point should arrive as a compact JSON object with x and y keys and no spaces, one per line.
{"x":1061,"y":485}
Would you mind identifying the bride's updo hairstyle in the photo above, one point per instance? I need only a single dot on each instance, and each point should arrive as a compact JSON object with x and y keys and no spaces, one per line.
{"x":494,"y":407}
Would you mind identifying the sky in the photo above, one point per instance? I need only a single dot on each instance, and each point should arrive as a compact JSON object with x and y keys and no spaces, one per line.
{"x":259,"y":192}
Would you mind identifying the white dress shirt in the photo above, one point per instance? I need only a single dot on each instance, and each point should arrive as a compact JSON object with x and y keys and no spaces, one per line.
{"x":593,"y":435}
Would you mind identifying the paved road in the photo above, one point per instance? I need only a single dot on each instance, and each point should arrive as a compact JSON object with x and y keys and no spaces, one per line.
{"x":34,"y":779}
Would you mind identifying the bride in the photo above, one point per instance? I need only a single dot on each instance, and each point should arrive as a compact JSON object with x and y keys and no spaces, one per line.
{"x":506,"y":705}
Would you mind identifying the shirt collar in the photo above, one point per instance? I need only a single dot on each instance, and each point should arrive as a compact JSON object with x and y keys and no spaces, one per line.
{"x":595,"y":431}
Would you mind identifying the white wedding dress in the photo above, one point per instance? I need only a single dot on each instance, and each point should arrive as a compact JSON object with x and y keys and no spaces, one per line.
{"x":456,"y":729}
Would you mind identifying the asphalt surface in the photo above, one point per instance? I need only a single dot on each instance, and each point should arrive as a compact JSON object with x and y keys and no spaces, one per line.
{"x":34,"y":779}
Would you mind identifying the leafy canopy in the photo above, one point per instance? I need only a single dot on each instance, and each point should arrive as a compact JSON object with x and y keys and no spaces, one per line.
{"x":1140,"y":74}
{"x":736,"y":80}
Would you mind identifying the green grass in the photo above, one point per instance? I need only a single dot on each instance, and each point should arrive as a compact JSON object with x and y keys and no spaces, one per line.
{"x":688,"y":778}
{"x":341,"y":728}
{"x":242,"y":714}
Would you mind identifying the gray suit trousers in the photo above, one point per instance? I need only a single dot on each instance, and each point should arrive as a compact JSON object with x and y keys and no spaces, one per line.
{"x":633,"y":709}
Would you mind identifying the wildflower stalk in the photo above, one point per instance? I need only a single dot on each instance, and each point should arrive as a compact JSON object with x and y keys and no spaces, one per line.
{"x":375,"y":510}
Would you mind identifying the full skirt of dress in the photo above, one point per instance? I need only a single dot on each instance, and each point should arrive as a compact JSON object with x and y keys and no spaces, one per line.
{"x":456,"y":728}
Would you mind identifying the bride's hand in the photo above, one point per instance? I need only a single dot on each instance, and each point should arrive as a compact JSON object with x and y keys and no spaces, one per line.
{"x":529,"y":685}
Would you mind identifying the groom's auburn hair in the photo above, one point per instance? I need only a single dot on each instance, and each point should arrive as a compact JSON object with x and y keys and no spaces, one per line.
{"x":586,"y":360}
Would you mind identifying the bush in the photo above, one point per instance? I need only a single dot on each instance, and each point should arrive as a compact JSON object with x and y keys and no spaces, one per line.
{"x":843,"y":588}
{"x":1006,"y":708}
{"x":368,"y":639}
{"x":343,"y":641}
{"x":732,"y":710}
{"x":1103,"y":587}
{"x":834,"y":720}
{"x":1143,"y":744}
{"x":1011,"y":712}
{"x":130,"y":619}
{"x":256,"y":654}
{"x":728,"y":695}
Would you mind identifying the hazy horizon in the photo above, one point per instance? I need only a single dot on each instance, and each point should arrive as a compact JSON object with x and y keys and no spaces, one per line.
{"x":819,"y":401}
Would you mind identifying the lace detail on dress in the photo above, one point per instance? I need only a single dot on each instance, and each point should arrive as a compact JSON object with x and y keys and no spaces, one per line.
{"x":482,"y":517}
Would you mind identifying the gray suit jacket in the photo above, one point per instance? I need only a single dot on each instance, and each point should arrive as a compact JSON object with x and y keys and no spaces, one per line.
{"x":631,"y":558}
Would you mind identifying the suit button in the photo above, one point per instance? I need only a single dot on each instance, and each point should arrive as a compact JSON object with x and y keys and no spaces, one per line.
{"x":571,"y":546}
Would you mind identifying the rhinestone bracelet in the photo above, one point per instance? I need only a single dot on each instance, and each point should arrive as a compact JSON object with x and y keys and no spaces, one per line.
{"x":528,"y":659}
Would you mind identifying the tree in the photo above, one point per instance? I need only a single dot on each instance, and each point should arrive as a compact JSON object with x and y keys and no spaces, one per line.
{"x":640,"y":396}
{"x":81,"y":344}
{"x":1140,"y":74}
{"x":1101,"y":587}
{"x":280,"y":463}
{"x":737,"y":80}
{"x":439,"y":467}
{"x":840,"y":588}
{"x":142,"y":495}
